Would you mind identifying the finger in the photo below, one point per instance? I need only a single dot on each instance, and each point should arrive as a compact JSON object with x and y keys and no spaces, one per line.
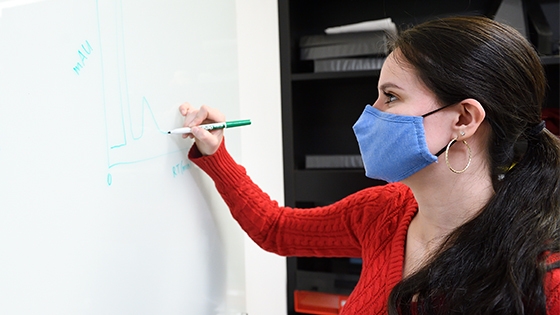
{"x":200,"y":134}
{"x":189,"y":112}
{"x":207,"y":142}
{"x":209,"y":136}
{"x":213,"y":114}
{"x":207,"y":114}
{"x":200,"y":117}
{"x":184,"y":108}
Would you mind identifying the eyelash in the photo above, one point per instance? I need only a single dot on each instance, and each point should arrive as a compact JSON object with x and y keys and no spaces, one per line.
{"x":390,"y":97}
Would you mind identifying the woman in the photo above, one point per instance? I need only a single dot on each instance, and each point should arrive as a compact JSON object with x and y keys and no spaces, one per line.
{"x":469,"y":221}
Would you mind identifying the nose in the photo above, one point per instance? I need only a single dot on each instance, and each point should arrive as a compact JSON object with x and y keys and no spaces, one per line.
{"x":379,"y":104}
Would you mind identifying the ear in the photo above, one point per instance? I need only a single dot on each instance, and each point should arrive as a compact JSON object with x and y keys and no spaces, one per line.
{"x":470,"y":116}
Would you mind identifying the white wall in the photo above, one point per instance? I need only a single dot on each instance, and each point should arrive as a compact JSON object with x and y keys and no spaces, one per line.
{"x":259,"y":80}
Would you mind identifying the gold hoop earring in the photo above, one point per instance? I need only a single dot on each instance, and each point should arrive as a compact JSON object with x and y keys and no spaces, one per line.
{"x":447,"y":157}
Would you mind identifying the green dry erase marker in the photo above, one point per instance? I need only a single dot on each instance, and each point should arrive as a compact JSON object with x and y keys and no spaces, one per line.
{"x":220,"y":125}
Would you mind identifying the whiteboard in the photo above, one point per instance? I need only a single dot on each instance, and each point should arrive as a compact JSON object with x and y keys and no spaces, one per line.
{"x":101,"y":212}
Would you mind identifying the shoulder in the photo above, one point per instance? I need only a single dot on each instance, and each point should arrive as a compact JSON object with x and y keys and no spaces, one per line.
{"x":380,"y":210}
{"x":390,"y":197}
{"x":395,"y":192}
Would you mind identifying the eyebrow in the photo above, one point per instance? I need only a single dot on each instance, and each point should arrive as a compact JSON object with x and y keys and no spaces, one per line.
{"x":384,"y":86}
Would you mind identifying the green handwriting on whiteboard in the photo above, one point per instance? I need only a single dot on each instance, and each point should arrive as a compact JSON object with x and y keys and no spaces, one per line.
{"x":133,"y":133}
{"x":181,"y":168}
{"x":83,"y":54}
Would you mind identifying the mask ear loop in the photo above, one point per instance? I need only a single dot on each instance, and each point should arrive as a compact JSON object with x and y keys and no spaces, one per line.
{"x":437,"y":110}
{"x":444,"y":149}
{"x":447,"y":156}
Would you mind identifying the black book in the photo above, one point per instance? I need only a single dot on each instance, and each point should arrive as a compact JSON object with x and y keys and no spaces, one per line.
{"x":343,"y":45}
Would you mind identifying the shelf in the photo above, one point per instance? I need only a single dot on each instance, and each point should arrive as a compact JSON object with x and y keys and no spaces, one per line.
{"x":327,"y":186}
{"x":550,"y":60}
{"x":311,"y":76}
{"x":328,"y":282}
{"x":334,"y":75}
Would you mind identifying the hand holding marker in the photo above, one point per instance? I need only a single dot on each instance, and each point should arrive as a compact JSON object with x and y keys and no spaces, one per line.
{"x":220,"y":125}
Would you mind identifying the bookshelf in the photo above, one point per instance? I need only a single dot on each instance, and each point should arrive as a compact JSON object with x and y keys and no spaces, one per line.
{"x":333,"y":101}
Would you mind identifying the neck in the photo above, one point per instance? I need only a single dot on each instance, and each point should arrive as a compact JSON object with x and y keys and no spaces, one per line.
{"x":450,"y":201}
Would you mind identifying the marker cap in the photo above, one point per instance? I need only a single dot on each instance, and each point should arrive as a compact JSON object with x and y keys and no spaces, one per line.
{"x":237,"y":123}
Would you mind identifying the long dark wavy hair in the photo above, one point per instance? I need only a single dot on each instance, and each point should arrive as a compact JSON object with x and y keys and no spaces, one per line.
{"x":496,"y":262}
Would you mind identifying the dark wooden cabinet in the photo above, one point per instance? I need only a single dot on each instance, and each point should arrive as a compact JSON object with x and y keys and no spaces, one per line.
{"x":319,"y":109}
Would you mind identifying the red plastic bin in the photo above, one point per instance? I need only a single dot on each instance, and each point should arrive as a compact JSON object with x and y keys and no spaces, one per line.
{"x":318,"y":303}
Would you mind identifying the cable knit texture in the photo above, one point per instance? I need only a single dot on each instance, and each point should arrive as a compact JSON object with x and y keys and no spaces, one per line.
{"x":370,"y":224}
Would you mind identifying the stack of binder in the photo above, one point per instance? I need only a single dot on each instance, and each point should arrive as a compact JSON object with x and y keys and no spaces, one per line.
{"x":347,"y":48}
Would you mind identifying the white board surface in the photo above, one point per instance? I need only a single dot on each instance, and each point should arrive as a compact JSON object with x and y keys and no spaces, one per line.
{"x":99,"y":210}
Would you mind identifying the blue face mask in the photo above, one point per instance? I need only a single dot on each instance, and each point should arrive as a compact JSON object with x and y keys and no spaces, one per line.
{"x":393,"y":147}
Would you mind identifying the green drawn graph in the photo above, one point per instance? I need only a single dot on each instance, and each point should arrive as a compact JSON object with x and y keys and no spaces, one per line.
{"x":126,"y":132}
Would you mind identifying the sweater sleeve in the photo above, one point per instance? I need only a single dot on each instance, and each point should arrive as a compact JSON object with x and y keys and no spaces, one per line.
{"x":552,"y":288}
{"x":329,"y":231}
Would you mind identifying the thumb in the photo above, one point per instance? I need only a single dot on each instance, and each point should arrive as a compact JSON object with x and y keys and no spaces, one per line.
{"x":206,"y":142}
{"x":200,"y":133}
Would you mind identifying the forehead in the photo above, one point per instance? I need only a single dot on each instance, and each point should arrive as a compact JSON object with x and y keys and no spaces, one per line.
{"x":397,"y":71}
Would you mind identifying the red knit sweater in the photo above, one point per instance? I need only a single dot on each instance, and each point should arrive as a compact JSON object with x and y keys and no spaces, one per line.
{"x":371,"y":224}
